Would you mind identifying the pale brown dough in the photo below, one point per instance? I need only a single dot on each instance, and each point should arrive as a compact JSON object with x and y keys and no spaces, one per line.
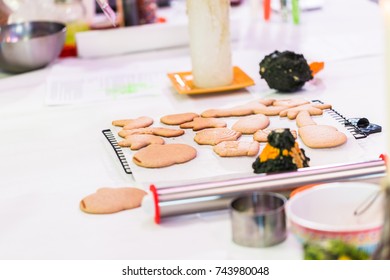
{"x":138,"y":141}
{"x":133,"y":123}
{"x":236,"y":148}
{"x":321,"y":136}
{"x":264,"y":106}
{"x":237,"y":111}
{"x":252,"y":107}
{"x":312,"y":109}
{"x":303,"y":119}
{"x":177,"y":119}
{"x":156,"y":156}
{"x":159,"y":131}
{"x":112,"y":200}
{"x":251,"y":124}
{"x":289,"y":103}
{"x":200,"y":123}
{"x":214,"y":136}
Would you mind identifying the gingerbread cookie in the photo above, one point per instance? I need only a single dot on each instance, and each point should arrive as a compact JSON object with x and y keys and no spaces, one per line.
{"x":138,"y":141}
{"x":156,"y":156}
{"x":134,"y":123}
{"x":159,"y":131}
{"x":200,"y":123}
{"x":251,"y":124}
{"x":236,"y":148}
{"x":214,"y":136}
{"x":177,"y":119}
{"x":304,"y":119}
{"x":268,"y":110}
{"x":289,"y":103}
{"x":267,"y":101}
{"x":109,"y":200}
{"x":265,"y":106}
{"x":237,"y":111}
{"x":321,"y":136}
{"x":252,"y":107}
{"x":312,"y":109}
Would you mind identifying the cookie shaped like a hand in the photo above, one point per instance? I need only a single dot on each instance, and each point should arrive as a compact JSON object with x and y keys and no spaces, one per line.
{"x":260,"y":106}
{"x":318,"y":136}
{"x":289,"y":103}
{"x":133,"y":123}
{"x":139,"y":141}
{"x":304,"y":119}
{"x":112,"y":200}
{"x":312,"y":109}
{"x":177,"y":119}
{"x":237,"y":111}
{"x":200,"y":123}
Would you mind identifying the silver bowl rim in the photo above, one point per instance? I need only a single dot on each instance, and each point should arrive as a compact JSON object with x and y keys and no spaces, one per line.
{"x":61,"y":29}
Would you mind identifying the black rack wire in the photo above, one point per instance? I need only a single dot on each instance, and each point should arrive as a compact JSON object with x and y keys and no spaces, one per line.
{"x":353,"y":129}
{"x":118,"y":150}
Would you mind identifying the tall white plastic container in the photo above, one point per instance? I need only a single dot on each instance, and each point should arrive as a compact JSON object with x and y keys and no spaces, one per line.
{"x":209,"y":33}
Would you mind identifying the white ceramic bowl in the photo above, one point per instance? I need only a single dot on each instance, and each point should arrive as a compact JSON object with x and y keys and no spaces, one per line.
{"x":326,"y":212}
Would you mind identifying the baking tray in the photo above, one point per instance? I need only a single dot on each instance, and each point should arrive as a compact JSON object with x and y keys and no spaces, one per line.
{"x":354,"y":130}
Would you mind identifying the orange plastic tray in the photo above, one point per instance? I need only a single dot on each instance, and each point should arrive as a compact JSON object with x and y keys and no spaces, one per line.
{"x":183,"y":82}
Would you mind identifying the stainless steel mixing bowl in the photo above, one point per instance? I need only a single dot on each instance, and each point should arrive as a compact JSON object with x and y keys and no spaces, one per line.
{"x":30,"y":45}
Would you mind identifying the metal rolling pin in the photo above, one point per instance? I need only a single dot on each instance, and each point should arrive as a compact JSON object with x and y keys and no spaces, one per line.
{"x":198,"y":197}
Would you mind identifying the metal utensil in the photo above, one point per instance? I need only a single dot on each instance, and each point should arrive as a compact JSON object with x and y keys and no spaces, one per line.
{"x":30,"y":45}
{"x":258,"y":219}
{"x":367,"y":203}
{"x":107,"y":10}
{"x":168,"y":201}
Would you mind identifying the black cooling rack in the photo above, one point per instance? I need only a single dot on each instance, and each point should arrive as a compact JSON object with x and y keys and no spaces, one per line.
{"x":118,"y":150}
{"x":353,"y":129}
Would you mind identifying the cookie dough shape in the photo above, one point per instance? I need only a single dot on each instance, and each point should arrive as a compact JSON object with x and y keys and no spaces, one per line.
{"x":112,"y":200}
{"x":202,"y":123}
{"x":156,"y":156}
{"x":214,"y":136}
{"x":304,"y":119}
{"x":312,"y":109}
{"x":134,"y":123}
{"x":321,"y":136}
{"x":251,"y":124}
{"x":290,"y":103}
{"x":237,"y":148}
{"x":159,"y":131}
{"x":177,"y":119}
{"x":269,"y":110}
{"x":237,"y":111}
{"x":253,"y":107}
{"x":138,"y":141}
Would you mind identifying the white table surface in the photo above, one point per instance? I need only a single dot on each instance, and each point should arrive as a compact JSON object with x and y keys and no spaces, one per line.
{"x":53,"y":156}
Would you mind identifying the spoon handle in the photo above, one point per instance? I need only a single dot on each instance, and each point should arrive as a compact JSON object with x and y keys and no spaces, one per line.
{"x":366,"y":203}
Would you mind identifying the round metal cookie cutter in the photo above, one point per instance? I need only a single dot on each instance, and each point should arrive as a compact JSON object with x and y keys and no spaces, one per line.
{"x":258,"y":219}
